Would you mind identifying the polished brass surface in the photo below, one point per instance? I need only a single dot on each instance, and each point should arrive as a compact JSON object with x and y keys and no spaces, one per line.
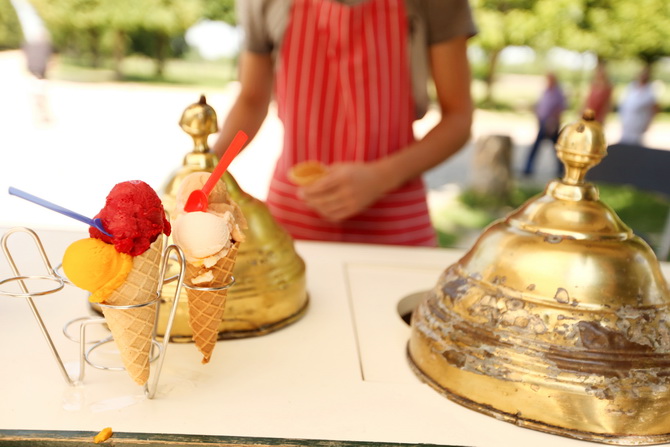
{"x":270,"y":287}
{"x":557,"y":318}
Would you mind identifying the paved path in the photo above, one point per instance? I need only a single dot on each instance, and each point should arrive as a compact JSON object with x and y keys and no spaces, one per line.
{"x":101,"y":134}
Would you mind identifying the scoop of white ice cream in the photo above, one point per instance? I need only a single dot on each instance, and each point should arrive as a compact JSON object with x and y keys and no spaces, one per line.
{"x":219,"y":202}
{"x":203,"y":237}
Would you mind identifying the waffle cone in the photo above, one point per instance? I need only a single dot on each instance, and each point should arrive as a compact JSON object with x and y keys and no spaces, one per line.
{"x":306,"y":172}
{"x":206,"y":308}
{"x":132,"y":329}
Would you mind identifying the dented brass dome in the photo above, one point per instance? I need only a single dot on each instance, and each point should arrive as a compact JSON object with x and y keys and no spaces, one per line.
{"x":557,"y":318}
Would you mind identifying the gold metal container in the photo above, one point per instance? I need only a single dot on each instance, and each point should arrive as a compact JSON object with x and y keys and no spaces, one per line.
{"x":557,"y":318}
{"x":270,"y":286}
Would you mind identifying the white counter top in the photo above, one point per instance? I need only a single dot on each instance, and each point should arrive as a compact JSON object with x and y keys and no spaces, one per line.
{"x":339,"y":373}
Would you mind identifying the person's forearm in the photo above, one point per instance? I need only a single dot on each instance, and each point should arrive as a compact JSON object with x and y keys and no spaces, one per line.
{"x":440,"y":143}
{"x":244,"y":115}
{"x":251,"y":106}
{"x":451,"y":75}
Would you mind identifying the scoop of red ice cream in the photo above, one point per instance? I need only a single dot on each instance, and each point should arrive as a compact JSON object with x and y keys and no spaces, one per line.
{"x":134,"y":216}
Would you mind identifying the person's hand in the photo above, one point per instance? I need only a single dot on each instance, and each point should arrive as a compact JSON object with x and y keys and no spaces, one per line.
{"x":346,"y":190}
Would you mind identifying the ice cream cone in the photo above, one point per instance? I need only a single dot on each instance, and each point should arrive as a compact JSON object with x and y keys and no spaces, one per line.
{"x":132,"y":329}
{"x":306,"y":172}
{"x":206,"y":307}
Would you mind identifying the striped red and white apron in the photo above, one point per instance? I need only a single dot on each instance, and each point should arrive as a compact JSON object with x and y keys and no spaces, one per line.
{"x":343,"y":93}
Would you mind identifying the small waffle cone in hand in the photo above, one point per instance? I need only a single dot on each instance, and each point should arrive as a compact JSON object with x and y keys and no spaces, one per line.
{"x":132,"y":329}
{"x":206,"y":308}
{"x":306,"y":172}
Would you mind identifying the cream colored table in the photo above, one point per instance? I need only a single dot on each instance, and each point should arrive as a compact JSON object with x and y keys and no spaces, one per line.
{"x":338,"y":374}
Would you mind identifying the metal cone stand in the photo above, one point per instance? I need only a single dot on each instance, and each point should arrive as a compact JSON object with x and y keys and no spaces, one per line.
{"x":55,"y":282}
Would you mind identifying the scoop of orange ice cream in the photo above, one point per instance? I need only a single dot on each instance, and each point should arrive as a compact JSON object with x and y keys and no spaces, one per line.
{"x":96,"y":266}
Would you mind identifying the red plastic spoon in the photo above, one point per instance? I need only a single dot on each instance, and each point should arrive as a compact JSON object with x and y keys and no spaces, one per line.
{"x":197,"y":200}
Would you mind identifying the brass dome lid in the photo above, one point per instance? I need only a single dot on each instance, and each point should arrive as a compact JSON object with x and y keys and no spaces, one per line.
{"x":557,"y":318}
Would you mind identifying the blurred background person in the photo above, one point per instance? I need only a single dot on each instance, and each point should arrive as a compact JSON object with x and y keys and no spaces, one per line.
{"x":637,"y":108}
{"x":548,"y":111}
{"x":37,"y":48}
{"x":600,"y":93}
{"x":349,"y":78}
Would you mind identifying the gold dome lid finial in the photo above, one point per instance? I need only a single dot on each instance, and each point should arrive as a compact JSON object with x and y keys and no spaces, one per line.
{"x":580,"y":147}
{"x":199,"y":121}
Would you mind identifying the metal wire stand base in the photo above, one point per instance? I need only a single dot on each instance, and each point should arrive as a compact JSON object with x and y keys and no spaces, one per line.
{"x":51,"y":282}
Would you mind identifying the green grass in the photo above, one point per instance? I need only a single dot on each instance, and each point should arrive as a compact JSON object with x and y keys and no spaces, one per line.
{"x":178,"y":72}
{"x":644,"y":212}
{"x":461,"y":219}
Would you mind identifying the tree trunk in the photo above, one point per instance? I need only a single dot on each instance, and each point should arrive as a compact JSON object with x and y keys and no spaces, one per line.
{"x":119,"y":53}
{"x":94,"y":42}
{"x":490,"y":75}
{"x":161,"y":54}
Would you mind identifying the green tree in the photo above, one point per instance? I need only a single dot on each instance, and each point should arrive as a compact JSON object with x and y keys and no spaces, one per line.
{"x":10,"y":29}
{"x":77,"y":26}
{"x":102,"y":28}
{"x":164,"y":20}
{"x":615,"y":30}
{"x":502,"y":23}
{"x":223,"y":10}
{"x":575,"y":25}
{"x":639,"y":28}
{"x":611,"y":29}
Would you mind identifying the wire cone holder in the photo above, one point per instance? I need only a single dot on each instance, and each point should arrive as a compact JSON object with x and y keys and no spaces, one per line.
{"x":55,"y":282}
